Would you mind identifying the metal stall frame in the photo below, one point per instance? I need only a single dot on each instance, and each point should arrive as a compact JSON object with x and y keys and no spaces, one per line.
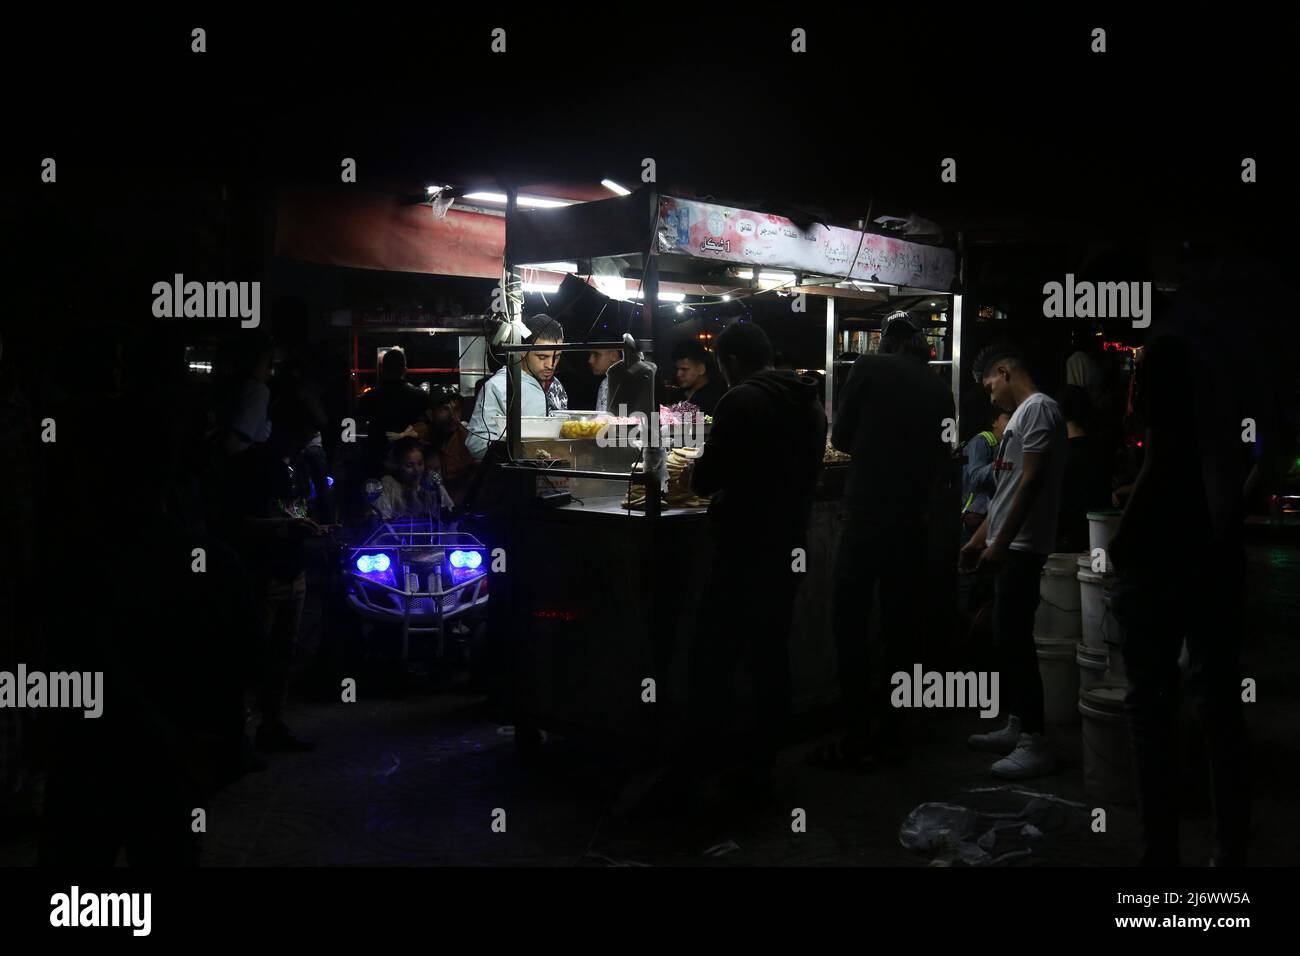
{"x":609,"y":228}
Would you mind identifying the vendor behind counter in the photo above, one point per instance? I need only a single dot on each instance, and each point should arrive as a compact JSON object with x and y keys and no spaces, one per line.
{"x":698,"y":377}
{"x":535,"y":387}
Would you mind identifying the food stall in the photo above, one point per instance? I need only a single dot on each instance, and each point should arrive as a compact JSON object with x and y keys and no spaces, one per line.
{"x":601,"y":595}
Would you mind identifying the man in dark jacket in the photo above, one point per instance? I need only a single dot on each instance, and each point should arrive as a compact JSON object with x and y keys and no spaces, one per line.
{"x":392,"y":407}
{"x":891,"y":420}
{"x":760,"y":465}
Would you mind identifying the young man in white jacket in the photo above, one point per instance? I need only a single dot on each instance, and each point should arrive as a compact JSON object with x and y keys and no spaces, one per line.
{"x":535,"y":389}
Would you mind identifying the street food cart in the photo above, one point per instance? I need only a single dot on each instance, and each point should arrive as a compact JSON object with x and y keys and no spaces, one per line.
{"x":599,"y":597}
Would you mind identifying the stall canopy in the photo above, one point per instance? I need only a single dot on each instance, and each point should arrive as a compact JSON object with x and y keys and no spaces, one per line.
{"x":363,"y":230}
{"x":725,"y":236}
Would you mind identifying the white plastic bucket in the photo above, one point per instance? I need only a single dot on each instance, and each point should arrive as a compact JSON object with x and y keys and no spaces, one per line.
{"x":1063,"y":561}
{"x":1101,"y":528}
{"x":1060,"y":673}
{"x":1092,"y":590}
{"x":1107,"y":771}
{"x":1092,"y":666}
{"x":1113,"y":635}
{"x":1058,"y":606}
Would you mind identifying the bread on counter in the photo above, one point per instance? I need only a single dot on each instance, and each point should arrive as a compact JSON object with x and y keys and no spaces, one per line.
{"x":678,"y":496}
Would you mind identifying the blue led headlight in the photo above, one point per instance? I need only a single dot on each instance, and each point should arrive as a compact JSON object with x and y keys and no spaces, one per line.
{"x":373,"y":562}
{"x":466,"y":560}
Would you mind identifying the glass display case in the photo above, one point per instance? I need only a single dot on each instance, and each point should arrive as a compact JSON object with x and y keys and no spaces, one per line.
{"x":589,"y":441}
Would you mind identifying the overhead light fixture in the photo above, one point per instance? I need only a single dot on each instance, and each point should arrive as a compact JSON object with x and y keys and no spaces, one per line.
{"x":746,"y":275}
{"x":615,"y":187}
{"x":554,"y":266}
{"x":667,"y":296}
{"x":859,"y":285}
{"x":681,"y":309}
{"x":536,"y":202}
{"x":539,"y":287}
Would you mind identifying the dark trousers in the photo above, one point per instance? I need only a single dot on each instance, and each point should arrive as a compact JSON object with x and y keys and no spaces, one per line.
{"x":1157,"y":612}
{"x":893,"y":559}
{"x":1015,"y":601}
{"x":279,"y":606}
{"x":746,"y":615}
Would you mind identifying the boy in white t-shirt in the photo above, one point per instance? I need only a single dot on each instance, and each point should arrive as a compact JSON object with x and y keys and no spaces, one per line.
{"x":1015,"y":540}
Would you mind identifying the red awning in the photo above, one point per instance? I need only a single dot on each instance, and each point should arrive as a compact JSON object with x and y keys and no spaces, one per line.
{"x":365,"y":230}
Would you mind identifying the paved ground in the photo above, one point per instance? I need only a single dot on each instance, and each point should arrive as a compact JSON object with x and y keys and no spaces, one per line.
{"x":413,"y":779}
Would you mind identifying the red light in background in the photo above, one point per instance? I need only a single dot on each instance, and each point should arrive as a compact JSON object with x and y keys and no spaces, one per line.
{"x":567,"y":616}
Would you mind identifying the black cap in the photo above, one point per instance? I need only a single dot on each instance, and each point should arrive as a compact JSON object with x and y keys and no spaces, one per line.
{"x":899,"y":323}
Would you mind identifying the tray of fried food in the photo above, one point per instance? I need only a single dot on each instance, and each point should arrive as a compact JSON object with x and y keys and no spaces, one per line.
{"x":583,"y":428}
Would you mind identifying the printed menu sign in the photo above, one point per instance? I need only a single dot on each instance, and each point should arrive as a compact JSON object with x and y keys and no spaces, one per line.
{"x":710,"y":231}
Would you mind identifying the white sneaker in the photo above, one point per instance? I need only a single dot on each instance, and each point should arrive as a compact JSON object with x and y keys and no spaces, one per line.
{"x":999,"y":741}
{"x":1031,"y":758}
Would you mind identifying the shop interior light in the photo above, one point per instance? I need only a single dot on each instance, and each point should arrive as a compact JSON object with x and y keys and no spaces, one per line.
{"x":681,"y":309}
{"x":554,"y":266}
{"x":615,"y":187}
{"x":373,"y":562}
{"x":540,"y":287}
{"x":466,"y":559}
{"x":536,"y":202}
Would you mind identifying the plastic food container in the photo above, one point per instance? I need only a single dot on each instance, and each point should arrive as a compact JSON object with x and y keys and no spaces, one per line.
{"x":533,"y":426}
{"x":582,"y":428}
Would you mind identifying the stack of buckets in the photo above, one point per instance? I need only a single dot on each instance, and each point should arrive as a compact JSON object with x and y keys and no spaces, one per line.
{"x":1079,"y":658}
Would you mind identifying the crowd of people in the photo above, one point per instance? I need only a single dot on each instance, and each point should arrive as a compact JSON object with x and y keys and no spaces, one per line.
{"x":240,"y":479}
{"x":1030,"y":477}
